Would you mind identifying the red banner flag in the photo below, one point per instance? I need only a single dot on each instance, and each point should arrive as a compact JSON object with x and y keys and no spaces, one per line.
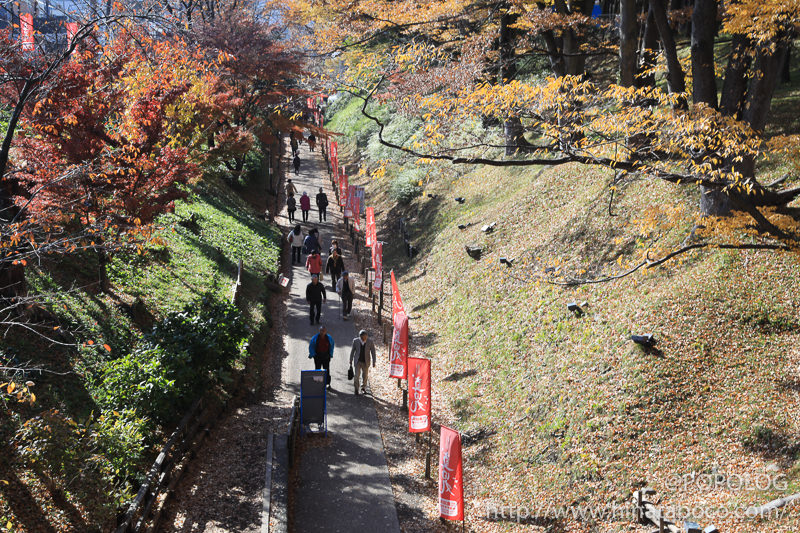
{"x":397,"y":302}
{"x":349,"y":208}
{"x":371,"y":233}
{"x":377,"y":264}
{"x":335,"y":167}
{"x":72,"y":29}
{"x":357,"y":214}
{"x":451,"y":475}
{"x":419,"y":394}
{"x":344,"y":188}
{"x":399,"y":352}
{"x":26,"y":32}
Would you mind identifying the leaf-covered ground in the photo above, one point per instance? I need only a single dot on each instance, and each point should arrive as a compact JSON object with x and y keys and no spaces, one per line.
{"x":575,"y":415}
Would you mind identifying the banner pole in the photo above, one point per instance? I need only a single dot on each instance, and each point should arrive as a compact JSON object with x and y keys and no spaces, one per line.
{"x":428,"y":454}
{"x":463,"y":485}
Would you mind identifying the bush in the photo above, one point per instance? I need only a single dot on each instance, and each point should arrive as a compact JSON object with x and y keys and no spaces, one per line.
{"x":122,"y":438}
{"x":184,"y":355}
{"x":407,"y":185}
{"x":95,"y":461}
{"x":139,"y":381}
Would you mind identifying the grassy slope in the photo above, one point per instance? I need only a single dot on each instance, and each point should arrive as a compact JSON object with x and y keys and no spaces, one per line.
{"x":163,"y":280}
{"x":583,"y":416}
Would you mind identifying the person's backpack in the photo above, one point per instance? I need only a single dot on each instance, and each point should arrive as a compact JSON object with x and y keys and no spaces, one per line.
{"x":307,"y":245}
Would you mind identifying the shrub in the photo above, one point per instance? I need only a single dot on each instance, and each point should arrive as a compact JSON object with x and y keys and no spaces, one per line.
{"x":184,"y":355}
{"x":139,"y":381}
{"x":94,"y":461}
{"x":122,"y":438}
{"x":406,"y":186}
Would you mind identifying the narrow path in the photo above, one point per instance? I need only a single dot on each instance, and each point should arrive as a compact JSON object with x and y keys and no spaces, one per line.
{"x":344,"y":483}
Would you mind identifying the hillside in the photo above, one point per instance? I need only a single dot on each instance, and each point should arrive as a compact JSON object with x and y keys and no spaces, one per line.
{"x":130,"y":361}
{"x":575,"y":414}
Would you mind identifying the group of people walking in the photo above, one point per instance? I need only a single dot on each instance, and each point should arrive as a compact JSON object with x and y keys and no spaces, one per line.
{"x":341,"y":282}
{"x":320,"y":349}
{"x":305,"y":203}
{"x":321,"y":346}
{"x":294,"y":142}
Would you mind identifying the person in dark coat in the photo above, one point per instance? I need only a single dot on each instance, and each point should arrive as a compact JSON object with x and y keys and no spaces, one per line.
{"x":296,"y":162}
{"x":311,"y":242}
{"x":335,"y":248}
{"x":315,"y":295}
{"x":322,"y":205}
{"x":320,"y":349}
{"x":312,"y":142}
{"x":334,"y":266}
{"x":291,"y":207}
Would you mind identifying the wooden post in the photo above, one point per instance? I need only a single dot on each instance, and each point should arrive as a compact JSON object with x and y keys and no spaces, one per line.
{"x":639,"y":513}
{"x":662,"y":526}
{"x":428,"y":455}
{"x":380,"y":305}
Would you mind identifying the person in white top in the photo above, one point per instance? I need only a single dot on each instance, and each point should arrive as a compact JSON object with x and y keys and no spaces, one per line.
{"x":346,"y":289}
{"x":295,"y":238}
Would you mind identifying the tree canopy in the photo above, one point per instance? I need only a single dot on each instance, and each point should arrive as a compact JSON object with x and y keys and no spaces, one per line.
{"x":653,"y":90}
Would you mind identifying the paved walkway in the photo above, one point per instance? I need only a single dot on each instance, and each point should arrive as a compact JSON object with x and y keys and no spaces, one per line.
{"x":344,"y":481}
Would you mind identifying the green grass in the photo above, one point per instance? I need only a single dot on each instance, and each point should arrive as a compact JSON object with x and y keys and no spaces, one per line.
{"x":192,"y":261}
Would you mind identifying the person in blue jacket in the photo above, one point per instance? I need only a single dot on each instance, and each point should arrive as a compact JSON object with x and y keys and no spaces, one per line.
{"x":320,"y":349}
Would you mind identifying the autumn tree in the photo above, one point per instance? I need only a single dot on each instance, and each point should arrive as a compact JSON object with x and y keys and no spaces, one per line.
{"x":96,"y":155}
{"x":255,"y":79}
{"x":629,"y":122}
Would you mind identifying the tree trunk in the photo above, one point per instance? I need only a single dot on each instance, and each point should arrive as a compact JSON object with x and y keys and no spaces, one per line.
{"x":12,"y":280}
{"x":102,"y":270}
{"x":734,"y":87}
{"x":554,"y":53}
{"x":575,"y":60}
{"x":649,"y":53}
{"x":12,"y":277}
{"x":513,"y":130}
{"x":628,"y":36}
{"x":759,"y":97}
{"x":786,"y":68}
{"x":714,"y":202}
{"x":704,"y":28}
{"x":675,"y":75}
{"x":762,"y":85}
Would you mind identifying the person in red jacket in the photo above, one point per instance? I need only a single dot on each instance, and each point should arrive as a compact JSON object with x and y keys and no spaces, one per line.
{"x":305,"y":205}
{"x":314,"y":264}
